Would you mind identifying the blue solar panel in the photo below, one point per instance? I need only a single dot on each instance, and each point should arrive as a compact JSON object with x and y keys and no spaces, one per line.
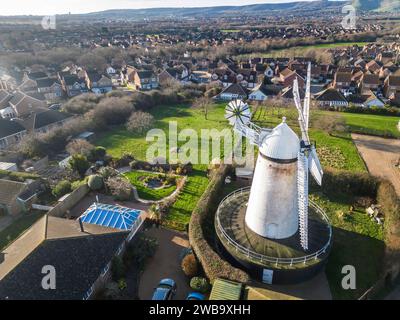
{"x":111,"y":216}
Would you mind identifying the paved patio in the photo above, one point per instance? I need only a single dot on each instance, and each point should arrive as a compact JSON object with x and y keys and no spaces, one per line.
{"x":165,"y":264}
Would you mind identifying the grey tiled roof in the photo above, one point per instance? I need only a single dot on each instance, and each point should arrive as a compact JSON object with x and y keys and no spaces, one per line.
{"x":78,"y":263}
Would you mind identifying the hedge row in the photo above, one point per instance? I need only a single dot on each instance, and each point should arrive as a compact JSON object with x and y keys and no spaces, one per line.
{"x":388,"y":199}
{"x":350,"y":183}
{"x":214,"y":266}
{"x":17,"y":176}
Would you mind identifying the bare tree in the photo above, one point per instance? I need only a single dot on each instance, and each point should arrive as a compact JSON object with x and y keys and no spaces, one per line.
{"x":205,"y":104}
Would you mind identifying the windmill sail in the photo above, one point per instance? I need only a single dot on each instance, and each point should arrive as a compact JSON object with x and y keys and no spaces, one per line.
{"x":239,"y":115}
{"x":315,"y":166}
{"x":302,"y":187}
{"x":306,"y":109}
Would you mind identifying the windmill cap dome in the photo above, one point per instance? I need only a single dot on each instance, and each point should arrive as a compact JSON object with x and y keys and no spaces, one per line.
{"x":282,"y":144}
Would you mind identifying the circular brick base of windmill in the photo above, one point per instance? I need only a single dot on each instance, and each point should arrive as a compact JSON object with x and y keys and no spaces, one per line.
{"x":269,"y":260}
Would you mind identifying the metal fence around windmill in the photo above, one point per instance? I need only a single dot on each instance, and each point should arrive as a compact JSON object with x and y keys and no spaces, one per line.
{"x":263,"y":258}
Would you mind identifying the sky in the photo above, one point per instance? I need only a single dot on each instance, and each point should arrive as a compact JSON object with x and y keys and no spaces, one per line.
{"x":49,"y":7}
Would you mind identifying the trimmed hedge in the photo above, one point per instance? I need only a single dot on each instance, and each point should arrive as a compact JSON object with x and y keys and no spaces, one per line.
{"x":350,"y":183}
{"x":17,"y":176}
{"x":213,"y":265}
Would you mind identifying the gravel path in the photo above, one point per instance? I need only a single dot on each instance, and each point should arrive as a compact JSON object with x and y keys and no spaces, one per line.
{"x":380,"y":155}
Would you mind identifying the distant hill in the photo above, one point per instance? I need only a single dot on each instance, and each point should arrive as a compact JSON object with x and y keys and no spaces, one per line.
{"x":259,"y":9}
{"x":377,"y":5}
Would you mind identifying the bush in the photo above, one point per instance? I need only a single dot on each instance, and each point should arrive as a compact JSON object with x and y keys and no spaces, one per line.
{"x":118,"y":269}
{"x":95,"y":182}
{"x":200,"y":285}
{"x":120,"y":188}
{"x":80,"y":146}
{"x":140,"y":122}
{"x":349,"y":183}
{"x":190,"y":266}
{"x":62,"y":188}
{"x":108,"y":172}
{"x":98,"y":153}
{"x":79,"y":164}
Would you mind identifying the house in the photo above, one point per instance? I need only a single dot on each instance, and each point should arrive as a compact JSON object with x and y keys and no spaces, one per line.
{"x":45,"y":120}
{"x":145,"y":80}
{"x":287,"y":77}
{"x":200,"y":77}
{"x":234,"y":91}
{"x":331,"y":97}
{"x":29,"y":81}
{"x":246,"y":78}
{"x":17,"y":197}
{"x":373,"y":66}
{"x":178,"y":74}
{"x":51,"y":88}
{"x":366,"y":100}
{"x":342,"y":81}
{"x":98,"y":83}
{"x":11,"y":133}
{"x":369,"y":82}
{"x":225,"y":76}
{"x":24,"y":105}
{"x":81,"y":254}
{"x":73,"y":85}
{"x":391,"y":86}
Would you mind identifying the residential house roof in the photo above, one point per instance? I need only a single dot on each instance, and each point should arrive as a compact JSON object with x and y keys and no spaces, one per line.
{"x":78,"y":262}
{"x":235,"y":88}
{"x":9,"y":190}
{"x":330,"y":94}
{"x":8,"y":128}
{"x":44,"y":118}
{"x":370,"y":79}
{"x":47,"y":82}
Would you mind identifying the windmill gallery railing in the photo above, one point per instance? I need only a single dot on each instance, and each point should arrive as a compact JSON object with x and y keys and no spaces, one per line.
{"x":263,"y":258}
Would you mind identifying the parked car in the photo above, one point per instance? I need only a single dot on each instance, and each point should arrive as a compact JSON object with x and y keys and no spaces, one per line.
{"x":195,"y":296}
{"x":165,"y":291}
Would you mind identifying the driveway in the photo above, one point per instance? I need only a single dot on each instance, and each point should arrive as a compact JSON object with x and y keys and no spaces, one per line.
{"x":165,"y":263}
{"x":380,"y":156}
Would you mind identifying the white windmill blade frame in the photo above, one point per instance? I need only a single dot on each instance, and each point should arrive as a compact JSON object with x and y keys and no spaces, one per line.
{"x":302,"y":122}
{"x":307,"y":99}
{"x":315,"y":166}
{"x":302,"y":197}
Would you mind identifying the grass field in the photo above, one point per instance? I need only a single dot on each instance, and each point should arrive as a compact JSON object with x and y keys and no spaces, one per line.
{"x":357,"y":241}
{"x":14,"y":230}
{"x":145,"y":192}
{"x":372,"y":124}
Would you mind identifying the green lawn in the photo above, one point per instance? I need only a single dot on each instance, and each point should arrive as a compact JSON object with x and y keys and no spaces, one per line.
{"x":372,"y":124}
{"x":120,"y":141}
{"x":357,"y":241}
{"x":20,"y":225}
{"x":145,"y":192}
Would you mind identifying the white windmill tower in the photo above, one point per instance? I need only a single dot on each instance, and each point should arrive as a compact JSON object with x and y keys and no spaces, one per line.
{"x":278,"y":201}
